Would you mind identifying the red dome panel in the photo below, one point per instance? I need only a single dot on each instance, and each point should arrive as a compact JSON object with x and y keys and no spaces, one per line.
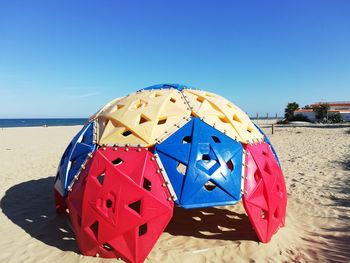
{"x":120,"y":204}
{"x":265,"y":195}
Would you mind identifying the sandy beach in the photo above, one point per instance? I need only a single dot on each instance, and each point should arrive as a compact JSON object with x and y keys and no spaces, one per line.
{"x":315,"y":161}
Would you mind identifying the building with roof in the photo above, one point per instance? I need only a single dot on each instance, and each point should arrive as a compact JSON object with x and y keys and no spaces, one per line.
{"x":341,"y":107}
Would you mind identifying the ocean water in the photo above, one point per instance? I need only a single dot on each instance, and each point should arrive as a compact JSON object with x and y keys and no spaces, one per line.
{"x":5,"y":123}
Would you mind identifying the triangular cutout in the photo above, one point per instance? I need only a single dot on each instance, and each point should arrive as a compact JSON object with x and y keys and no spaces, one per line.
{"x":210,"y":186}
{"x":257,"y":198}
{"x":120,"y":107}
{"x":236,"y":118}
{"x":140,"y":104}
{"x":142,"y":229}
{"x":143,"y":119}
{"x":117,"y":161}
{"x":187,"y":139}
{"x":136,"y":206}
{"x":94,"y":229}
{"x":200,"y":99}
{"x":101,"y":178}
{"x":224,"y":119}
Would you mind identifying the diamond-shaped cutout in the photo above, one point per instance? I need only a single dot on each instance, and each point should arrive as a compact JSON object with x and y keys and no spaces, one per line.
{"x":162,"y":121}
{"x":215,"y":139}
{"x":136,"y":206}
{"x":126,"y":133}
{"x":267,"y":168}
{"x":279,"y":191}
{"x":229,"y":164}
{"x":155,"y":95}
{"x":257,"y":176}
{"x":107,"y":247}
{"x":147,"y":184}
{"x":181,"y":168}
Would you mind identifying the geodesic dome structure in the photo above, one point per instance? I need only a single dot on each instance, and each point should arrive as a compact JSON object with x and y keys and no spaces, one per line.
{"x":161,"y":146}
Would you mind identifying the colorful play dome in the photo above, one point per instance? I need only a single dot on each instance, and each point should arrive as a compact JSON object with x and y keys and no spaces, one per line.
{"x":165,"y":145}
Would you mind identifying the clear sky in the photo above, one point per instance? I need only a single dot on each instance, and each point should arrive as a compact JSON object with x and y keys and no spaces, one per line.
{"x":69,"y":58}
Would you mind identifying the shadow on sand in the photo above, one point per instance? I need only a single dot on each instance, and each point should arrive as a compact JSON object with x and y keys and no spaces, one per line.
{"x":211,"y":223}
{"x":336,"y":238}
{"x":343,"y":186}
{"x":30,"y":205}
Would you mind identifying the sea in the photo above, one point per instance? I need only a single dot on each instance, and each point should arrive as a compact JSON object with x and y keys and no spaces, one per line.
{"x":5,"y":123}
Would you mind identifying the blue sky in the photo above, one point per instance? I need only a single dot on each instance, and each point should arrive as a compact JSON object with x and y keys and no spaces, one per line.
{"x":69,"y":58}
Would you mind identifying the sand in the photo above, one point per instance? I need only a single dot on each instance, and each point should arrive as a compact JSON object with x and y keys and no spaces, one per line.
{"x":315,"y":161}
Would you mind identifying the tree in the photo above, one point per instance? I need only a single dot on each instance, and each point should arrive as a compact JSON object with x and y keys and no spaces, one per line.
{"x":307,"y":107}
{"x":289,"y":110}
{"x":300,"y":117}
{"x":335,"y":118}
{"x":321,"y":111}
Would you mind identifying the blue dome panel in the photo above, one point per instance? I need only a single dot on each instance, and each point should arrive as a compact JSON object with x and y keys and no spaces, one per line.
{"x":73,"y":157}
{"x":266,"y":139}
{"x":166,"y":86}
{"x":204,"y":165}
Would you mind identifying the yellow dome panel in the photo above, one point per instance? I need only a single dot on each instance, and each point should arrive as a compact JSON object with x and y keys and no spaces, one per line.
{"x":143,"y":118}
{"x":223,"y":115}
{"x":109,"y":104}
